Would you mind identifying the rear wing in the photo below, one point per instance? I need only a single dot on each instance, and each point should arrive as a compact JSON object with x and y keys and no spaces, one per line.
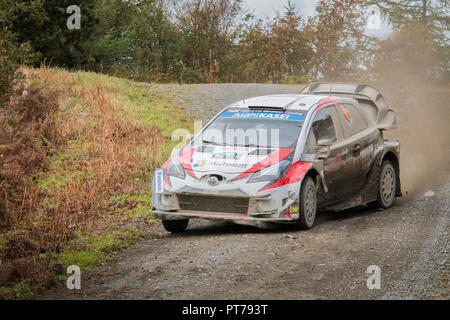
{"x":383,"y":116}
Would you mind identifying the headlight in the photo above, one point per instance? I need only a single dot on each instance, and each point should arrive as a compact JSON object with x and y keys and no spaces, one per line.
{"x":274,"y":172}
{"x":176,"y":170}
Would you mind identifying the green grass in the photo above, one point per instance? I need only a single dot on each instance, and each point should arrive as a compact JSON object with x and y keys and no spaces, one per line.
{"x":92,"y":251}
{"x":88,"y":252}
{"x":142,"y":209}
{"x":84,"y":259}
{"x":24,"y":290}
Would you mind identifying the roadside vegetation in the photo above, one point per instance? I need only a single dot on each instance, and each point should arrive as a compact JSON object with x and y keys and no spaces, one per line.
{"x":77,"y":152}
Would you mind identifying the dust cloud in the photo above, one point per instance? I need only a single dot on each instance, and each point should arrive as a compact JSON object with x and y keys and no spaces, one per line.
{"x":412,"y":76}
{"x":423,"y":117}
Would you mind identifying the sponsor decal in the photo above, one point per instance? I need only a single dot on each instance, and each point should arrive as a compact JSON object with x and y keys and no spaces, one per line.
{"x":199,"y":164}
{"x":159,"y":181}
{"x":262,"y":115}
{"x":294,"y":209}
{"x":227,"y":155}
{"x":228,"y":164}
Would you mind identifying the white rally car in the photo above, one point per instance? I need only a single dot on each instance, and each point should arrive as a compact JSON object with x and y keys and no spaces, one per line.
{"x":278,"y":158}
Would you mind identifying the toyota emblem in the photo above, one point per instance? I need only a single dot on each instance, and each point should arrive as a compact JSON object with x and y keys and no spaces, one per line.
{"x":213,"y":181}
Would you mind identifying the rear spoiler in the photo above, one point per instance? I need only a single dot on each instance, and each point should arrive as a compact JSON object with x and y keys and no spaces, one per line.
{"x":386,"y":118}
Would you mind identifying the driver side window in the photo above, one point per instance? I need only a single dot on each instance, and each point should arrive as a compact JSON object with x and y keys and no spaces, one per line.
{"x":322,"y":128}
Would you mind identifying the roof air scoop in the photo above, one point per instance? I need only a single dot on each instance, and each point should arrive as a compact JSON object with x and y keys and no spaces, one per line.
{"x":273,"y":108}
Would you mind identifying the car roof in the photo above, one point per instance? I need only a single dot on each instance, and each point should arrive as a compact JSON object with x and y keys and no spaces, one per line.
{"x":286,"y":101}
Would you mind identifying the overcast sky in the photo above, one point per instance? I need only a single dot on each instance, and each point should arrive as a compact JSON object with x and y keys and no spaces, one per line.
{"x":264,"y":8}
{"x":268,"y":8}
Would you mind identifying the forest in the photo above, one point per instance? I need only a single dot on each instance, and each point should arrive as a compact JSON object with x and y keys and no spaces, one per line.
{"x":213,"y":41}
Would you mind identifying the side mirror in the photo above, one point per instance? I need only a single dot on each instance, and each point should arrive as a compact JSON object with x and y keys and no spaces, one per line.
{"x":189,"y":138}
{"x":324,"y":152}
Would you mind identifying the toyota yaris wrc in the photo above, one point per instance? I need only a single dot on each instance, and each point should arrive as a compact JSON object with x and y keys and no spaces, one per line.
{"x":279,"y":159}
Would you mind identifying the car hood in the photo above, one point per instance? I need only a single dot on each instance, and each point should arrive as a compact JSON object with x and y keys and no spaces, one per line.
{"x":232,"y":160}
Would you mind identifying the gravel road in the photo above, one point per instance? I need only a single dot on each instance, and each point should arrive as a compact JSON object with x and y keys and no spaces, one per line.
{"x":203,"y":101}
{"x":409,"y":242}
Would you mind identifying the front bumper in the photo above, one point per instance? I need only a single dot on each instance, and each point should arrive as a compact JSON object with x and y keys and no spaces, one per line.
{"x":278,"y":207}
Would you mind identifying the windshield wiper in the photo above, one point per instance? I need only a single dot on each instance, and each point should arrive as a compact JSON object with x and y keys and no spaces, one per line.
{"x":249,"y":145}
{"x":230,"y":145}
{"x":210,"y":142}
{"x":215,"y":143}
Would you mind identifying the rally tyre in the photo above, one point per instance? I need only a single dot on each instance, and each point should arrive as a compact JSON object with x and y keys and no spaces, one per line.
{"x":175,"y":226}
{"x":387,"y":186}
{"x":308,"y":204}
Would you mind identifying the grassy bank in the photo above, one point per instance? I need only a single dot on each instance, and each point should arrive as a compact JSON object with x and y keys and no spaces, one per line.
{"x":76,"y":162}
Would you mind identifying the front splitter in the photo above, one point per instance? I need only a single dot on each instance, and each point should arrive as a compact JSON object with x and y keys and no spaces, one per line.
{"x":232,"y":217}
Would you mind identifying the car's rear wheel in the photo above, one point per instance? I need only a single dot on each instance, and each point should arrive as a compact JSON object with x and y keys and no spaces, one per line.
{"x":387,"y":186}
{"x":308,"y":204}
{"x":175,"y":226}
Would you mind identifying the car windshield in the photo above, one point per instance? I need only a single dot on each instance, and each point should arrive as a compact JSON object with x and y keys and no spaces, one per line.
{"x":254,"y":128}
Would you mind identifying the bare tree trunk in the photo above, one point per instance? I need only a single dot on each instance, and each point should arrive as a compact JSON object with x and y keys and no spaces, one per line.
{"x":424,"y":11}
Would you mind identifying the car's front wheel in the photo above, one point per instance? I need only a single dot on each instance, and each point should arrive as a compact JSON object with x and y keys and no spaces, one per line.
{"x":308,"y":204}
{"x":387,"y":186}
{"x":175,"y":226}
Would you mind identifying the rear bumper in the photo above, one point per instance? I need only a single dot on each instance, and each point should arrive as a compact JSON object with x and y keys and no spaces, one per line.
{"x":224,"y":216}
